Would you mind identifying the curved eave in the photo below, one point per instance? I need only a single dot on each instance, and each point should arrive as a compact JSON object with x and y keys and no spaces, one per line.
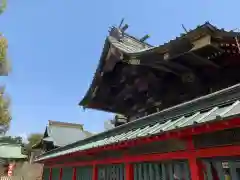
{"x":112,"y":42}
{"x":131,"y":46}
{"x":87,"y":97}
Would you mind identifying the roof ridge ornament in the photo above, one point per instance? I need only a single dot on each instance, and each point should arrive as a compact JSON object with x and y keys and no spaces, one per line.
{"x":116,"y":33}
{"x":144,"y":38}
{"x":121,"y":23}
{"x":186,"y":31}
{"x":124,"y":28}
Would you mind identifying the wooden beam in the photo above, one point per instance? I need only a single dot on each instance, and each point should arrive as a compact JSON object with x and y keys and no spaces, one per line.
{"x":165,"y":66}
{"x":177,"y":67}
{"x":162,"y":68}
{"x":224,"y":151}
{"x":201,"y":42}
{"x":213,"y":152}
{"x":157,"y":61}
{"x":204,"y":60}
{"x":128,"y":159}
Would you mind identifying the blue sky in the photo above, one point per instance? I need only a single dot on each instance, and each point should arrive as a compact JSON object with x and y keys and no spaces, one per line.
{"x":55,"y":45}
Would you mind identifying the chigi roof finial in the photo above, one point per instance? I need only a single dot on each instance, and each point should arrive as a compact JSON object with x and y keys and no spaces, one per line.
{"x":121,"y":23}
{"x":144,"y":38}
{"x":185,"y":29}
{"x":121,"y":27}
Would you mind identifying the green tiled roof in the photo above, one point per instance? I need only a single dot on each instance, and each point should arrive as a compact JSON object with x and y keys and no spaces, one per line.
{"x":216,"y":106}
{"x":54,"y":133}
{"x":11,"y":151}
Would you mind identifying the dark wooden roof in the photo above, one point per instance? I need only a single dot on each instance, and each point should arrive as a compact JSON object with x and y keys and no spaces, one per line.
{"x":183,"y":68}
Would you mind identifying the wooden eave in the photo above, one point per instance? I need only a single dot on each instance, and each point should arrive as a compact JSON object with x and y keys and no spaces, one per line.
{"x":192,"y":35}
{"x":201,"y":37}
{"x":87,"y":96}
{"x":94,"y":85}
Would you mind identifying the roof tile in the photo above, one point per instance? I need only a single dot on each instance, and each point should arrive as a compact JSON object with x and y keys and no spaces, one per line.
{"x":63,"y":135}
{"x":160,"y":122}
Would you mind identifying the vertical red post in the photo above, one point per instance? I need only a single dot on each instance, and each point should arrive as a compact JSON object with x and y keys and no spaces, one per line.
{"x":195,"y":164}
{"x":50,"y":174}
{"x":61,"y":173}
{"x":95,"y":172}
{"x":129,"y":171}
{"x":74,"y":174}
{"x":195,"y":169}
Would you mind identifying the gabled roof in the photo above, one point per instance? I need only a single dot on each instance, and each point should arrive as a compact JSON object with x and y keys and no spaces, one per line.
{"x":10,"y":148}
{"x":122,"y":47}
{"x":65,"y":124}
{"x":63,"y":133}
{"x":217,"y":106}
{"x":128,"y":44}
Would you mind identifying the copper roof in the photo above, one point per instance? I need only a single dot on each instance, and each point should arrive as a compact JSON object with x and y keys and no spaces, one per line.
{"x":221,"y":105}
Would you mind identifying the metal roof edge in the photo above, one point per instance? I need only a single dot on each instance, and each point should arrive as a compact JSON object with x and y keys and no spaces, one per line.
{"x":218,"y":98}
{"x":65,"y":124}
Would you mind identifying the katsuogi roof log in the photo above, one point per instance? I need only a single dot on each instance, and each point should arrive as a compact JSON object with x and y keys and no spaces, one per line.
{"x":134,"y":77}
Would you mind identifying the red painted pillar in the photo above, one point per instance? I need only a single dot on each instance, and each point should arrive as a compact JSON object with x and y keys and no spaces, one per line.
{"x":129,"y":171}
{"x":95,"y":172}
{"x":61,"y":173}
{"x":196,"y":170}
{"x":74,"y":174}
{"x":50,"y":174}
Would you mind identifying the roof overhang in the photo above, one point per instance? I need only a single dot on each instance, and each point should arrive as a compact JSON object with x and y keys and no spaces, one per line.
{"x":187,"y":132}
{"x":133,"y":54}
{"x":215,"y":112}
{"x":48,"y":139}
